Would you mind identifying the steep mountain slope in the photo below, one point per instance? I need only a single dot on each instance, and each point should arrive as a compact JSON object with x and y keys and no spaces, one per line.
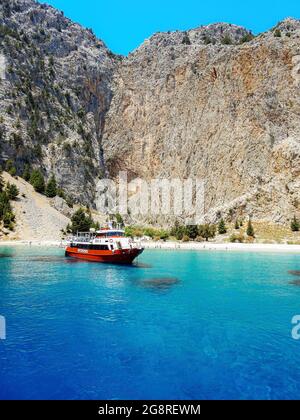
{"x":211,"y":102}
{"x":36,"y":218}
{"x":54,"y":94}
{"x":39,"y":218}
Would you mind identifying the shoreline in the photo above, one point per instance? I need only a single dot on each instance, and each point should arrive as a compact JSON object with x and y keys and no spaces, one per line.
{"x":171,"y":245}
{"x":33,"y":243}
{"x":224,"y":246}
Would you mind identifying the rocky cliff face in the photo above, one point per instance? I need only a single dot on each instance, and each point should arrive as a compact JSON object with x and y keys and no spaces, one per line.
{"x":227,"y":113}
{"x":211,"y":103}
{"x":54,"y":93}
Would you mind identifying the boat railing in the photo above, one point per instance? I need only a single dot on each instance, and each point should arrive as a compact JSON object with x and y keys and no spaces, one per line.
{"x":81,"y":237}
{"x":136,"y":244}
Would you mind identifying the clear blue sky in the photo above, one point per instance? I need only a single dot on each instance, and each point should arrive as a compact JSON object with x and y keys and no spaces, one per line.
{"x":124,"y":25}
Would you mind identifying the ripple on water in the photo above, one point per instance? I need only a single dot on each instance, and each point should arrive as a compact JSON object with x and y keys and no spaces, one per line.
{"x":46,"y":259}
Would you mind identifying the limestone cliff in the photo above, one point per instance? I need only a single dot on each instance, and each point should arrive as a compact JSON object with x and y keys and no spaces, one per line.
{"x":226,"y":113}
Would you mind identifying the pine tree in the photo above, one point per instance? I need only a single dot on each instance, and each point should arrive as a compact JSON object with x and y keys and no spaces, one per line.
{"x":51,"y":188}
{"x":191,"y":231}
{"x":81,"y":222}
{"x":96,"y":226}
{"x":10,"y":168}
{"x":5,"y":206}
{"x":277,"y":33}
{"x":222,"y":227}
{"x":8,"y":220}
{"x":295,"y":224}
{"x":250,"y":229}
{"x":186,"y":39}
{"x":37,"y":181}
{"x":60,"y":192}
{"x":119,"y":219}
{"x":207,"y":231}
{"x":26,"y":173}
{"x":1,"y":182}
{"x":12,"y":191}
{"x":178,"y":231}
{"x":226,"y":40}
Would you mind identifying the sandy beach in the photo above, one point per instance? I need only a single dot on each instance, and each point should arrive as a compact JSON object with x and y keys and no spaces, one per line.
{"x":211,"y":246}
{"x":184,"y":246}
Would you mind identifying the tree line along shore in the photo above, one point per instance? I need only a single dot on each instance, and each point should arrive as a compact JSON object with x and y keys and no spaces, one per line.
{"x":240,"y":230}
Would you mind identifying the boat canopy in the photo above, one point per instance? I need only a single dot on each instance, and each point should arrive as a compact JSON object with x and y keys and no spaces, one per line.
{"x":110,"y":232}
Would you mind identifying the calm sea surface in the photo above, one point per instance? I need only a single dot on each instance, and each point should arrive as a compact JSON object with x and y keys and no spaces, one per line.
{"x":178,"y":325}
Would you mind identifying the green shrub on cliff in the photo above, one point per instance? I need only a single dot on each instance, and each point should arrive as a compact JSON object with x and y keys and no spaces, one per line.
{"x":277,"y":33}
{"x":226,"y":40}
{"x":250,"y":229}
{"x":8,"y":220}
{"x":186,"y":39}
{"x":222,"y":227}
{"x":133,"y":231}
{"x":7,"y":193}
{"x":26,"y":173}
{"x":51,"y":188}
{"x":178,"y":231}
{"x":12,"y":191}
{"x":247,"y":38}
{"x":119,"y":219}
{"x":295,"y":225}
{"x":6,"y":214}
{"x":10,"y":167}
{"x":37,"y":181}
{"x":153,"y":233}
{"x":207,"y":231}
{"x":191,"y":231}
{"x":237,"y":238}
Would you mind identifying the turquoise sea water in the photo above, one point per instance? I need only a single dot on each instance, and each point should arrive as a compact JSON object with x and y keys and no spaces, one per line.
{"x":179,"y":325}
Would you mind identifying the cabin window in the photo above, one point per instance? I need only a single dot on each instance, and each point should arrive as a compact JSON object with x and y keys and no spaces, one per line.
{"x":109,"y":234}
{"x":90,"y":247}
{"x":99,"y":247}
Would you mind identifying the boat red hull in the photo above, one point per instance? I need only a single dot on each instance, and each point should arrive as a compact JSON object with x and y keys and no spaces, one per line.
{"x":118,"y":257}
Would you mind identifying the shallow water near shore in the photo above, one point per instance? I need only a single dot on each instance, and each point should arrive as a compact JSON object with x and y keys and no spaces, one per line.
{"x":177,"y":325}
